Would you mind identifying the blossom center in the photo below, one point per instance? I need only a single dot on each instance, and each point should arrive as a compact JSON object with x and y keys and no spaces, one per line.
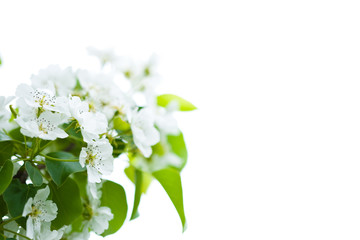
{"x":43,"y":98}
{"x":35,"y":212}
{"x":45,"y":125}
{"x":88,"y":212}
{"x":42,"y":129}
{"x":90,"y":158}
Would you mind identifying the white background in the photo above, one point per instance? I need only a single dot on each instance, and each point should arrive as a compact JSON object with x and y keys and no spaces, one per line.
{"x":274,"y":147}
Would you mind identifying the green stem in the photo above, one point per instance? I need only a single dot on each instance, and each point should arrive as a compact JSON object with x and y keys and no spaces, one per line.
{"x":9,"y":220}
{"x":118,"y":151}
{"x":58,"y":159}
{"x":39,"y":162}
{"x":13,"y":111}
{"x":68,"y":127}
{"x":32,"y":149}
{"x":10,"y":231}
{"x":75,"y":138}
{"x":46,"y":145}
{"x":25,"y":141}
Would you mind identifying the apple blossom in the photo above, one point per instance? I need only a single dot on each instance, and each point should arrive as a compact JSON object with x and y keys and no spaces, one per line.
{"x":144,"y":133}
{"x":98,"y":159}
{"x":39,"y":210}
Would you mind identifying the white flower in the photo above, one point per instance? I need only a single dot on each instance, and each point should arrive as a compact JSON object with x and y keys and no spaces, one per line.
{"x":158,"y":162}
{"x":40,"y":99}
{"x":144,"y":133}
{"x":84,"y":235}
{"x":105,"y":55}
{"x":61,"y":82}
{"x":96,"y":218}
{"x":103,"y":94}
{"x":44,"y":127}
{"x":100,"y":220}
{"x":91,"y":124}
{"x":165,"y":120}
{"x":98,"y":159}
{"x":5,"y":114}
{"x":77,"y":107}
{"x":39,"y":210}
{"x":142,"y":76}
{"x":46,"y":233}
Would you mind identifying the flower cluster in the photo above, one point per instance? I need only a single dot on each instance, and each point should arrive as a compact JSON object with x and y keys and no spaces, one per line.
{"x":60,"y":136}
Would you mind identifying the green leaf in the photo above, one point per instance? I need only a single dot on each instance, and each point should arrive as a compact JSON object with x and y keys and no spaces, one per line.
{"x":138,"y":188}
{"x":6,"y":151}
{"x":118,"y":147}
{"x":67,"y":199}
{"x":4,"y":137}
{"x":178,"y":146}
{"x":81,"y":180}
{"x":114,"y":197}
{"x":170,"y":179}
{"x":77,"y":225}
{"x":120,"y":124}
{"x":17,"y":135}
{"x":15,"y":196}
{"x":6,"y":172}
{"x":146,"y":177}
{"x":3,"y":207}
{"x":78,"y":86}
{"x":59,"y":171}
{"x":34,"y":174}
{"x":184,"y":105}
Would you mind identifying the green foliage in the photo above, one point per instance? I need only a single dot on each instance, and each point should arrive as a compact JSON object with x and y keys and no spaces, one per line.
{"x":34,"y":174}
{"x":120,"y":124}
{"x":15,"y":196}
{"x":138,"y":190}
{"x":16,"y":134}
{"x":6,"y":151}
{"x":184,"y":105}
{"x":77,"y":224}
{"x":146,"y":177}
{"x":5,"y":175}
{"x":114,"y":197}
{"x":9,"y":144}
{"x":178,"y":147}
{"x":4,"y":137}
{"x":67,"y":199}
{"x":81,"y":179}
{"x":118,"y":147}
{"x":170,"y":179}
{"x":58,"y":170}
{"x":3,"y":207}
{"x":6,"y":148}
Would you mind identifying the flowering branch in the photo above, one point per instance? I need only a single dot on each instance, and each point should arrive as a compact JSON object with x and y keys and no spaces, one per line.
{"x":60,"y":140}
{"x":58,"y":159}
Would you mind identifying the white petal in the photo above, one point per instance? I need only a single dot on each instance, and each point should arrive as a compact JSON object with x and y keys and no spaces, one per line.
{"x":82,"y":157}
{"x":42,"y":194}
{"x":59,"y":133}
{"x":29,"y":228}
{"x":23,"y":91}
{"x":49,"y":211}
{"x":93,"y":175}
{"x":27,"y":207}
